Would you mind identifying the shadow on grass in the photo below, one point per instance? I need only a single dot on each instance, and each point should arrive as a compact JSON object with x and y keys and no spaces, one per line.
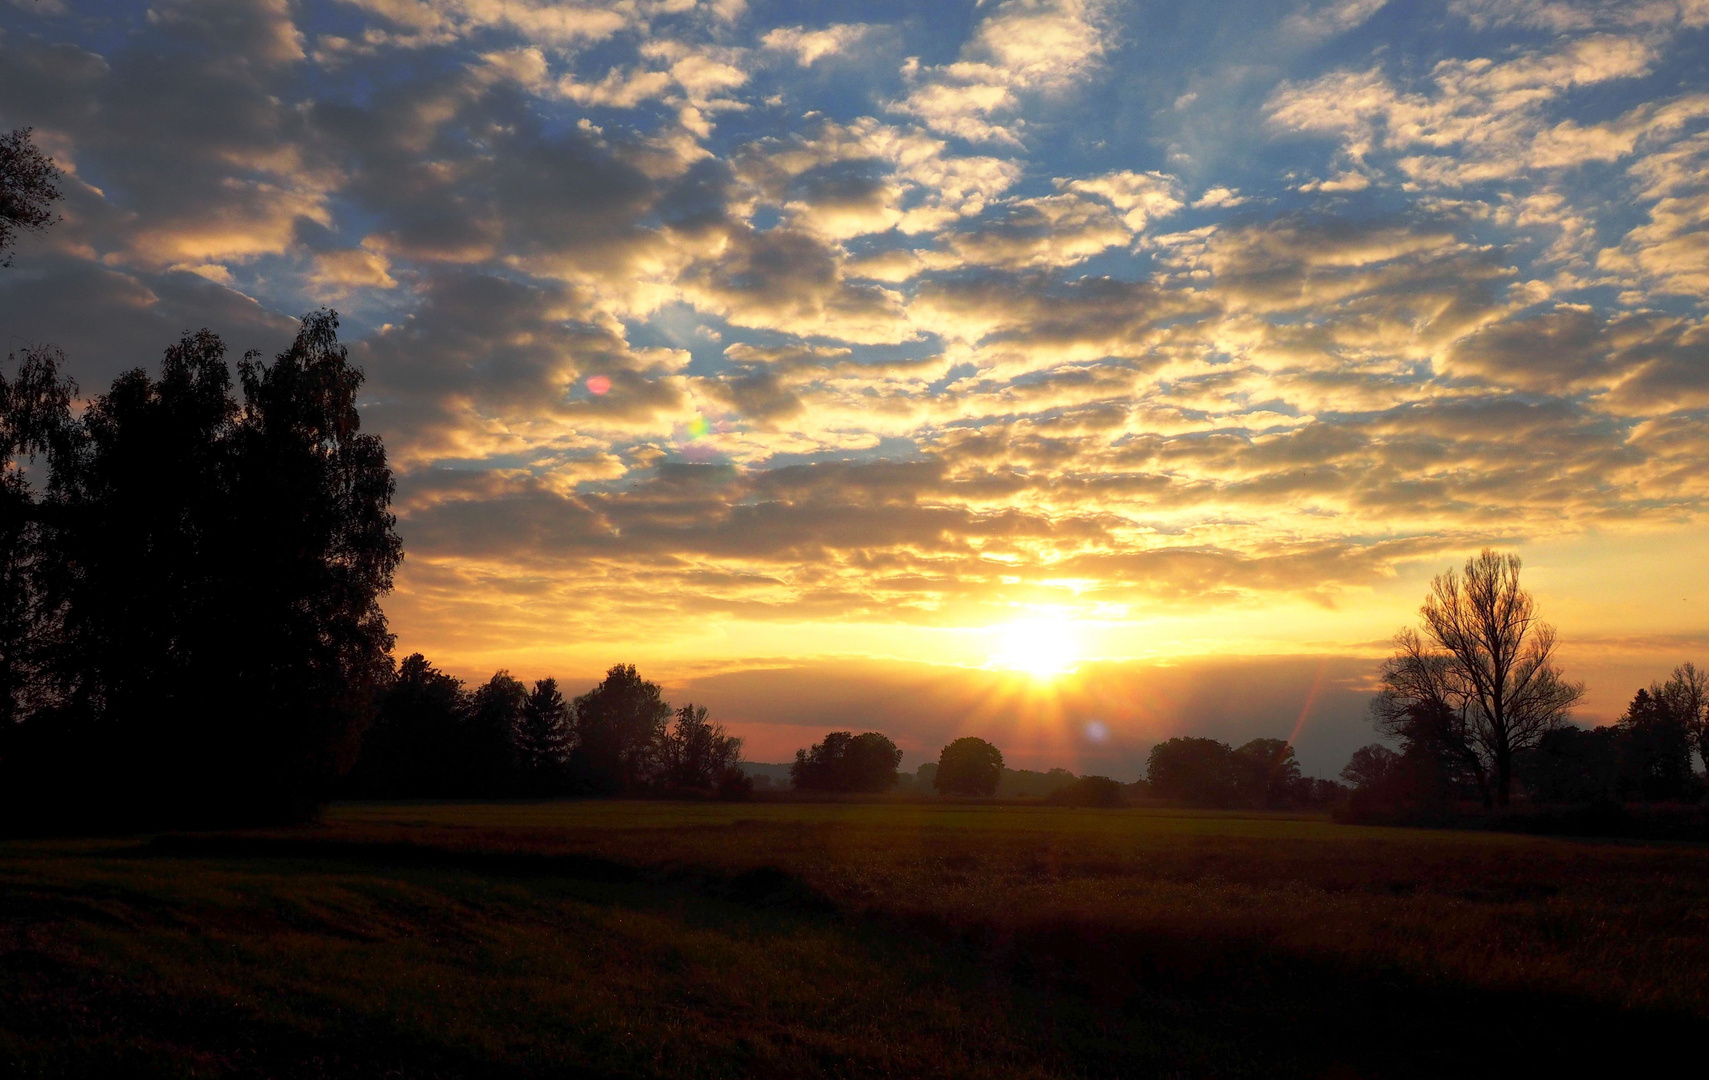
{"x":1091,"y":998}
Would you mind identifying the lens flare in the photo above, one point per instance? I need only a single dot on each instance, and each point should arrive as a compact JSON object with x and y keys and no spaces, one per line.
{"x":598,"y":384}
{"x":698,"y":428}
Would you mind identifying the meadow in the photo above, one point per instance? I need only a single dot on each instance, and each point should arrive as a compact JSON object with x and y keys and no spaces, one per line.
{"x":783,"y":939}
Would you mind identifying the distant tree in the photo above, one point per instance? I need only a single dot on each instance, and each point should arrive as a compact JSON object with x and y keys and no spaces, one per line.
{"x":415,"y":746}
{"x":1483,"y":672}
{"x":1686,"y":695}
{"x":1200,"y":772}
{"x":697,"y":754}
{"x":618,"y":728}
{"x":1088,"y":791}
{"x":493,"y":736}
{"x":847,"y":762}
{"x":1266,"y":774}
{"x":1573,"y":766}
{"x":28,"y":187}
{"x":544,"y":738}
{"x":968,"y":766}
{"x":1371,"y":766}
{"x":926,"y":776}
{"x":1654,"y":747}
{"x":1030,"y":782}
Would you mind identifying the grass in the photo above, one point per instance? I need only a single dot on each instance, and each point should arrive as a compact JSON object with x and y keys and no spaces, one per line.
{"x":887,"y":939}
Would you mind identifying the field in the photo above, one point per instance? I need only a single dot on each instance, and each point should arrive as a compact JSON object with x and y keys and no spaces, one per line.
{"x":881,"y":939}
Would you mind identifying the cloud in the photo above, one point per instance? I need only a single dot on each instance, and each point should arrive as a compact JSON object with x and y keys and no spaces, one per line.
{"x":1024,"y":47}
{"x":810,"y":46}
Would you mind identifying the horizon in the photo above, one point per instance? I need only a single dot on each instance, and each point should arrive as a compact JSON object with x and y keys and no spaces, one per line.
{"x":1031,"y":364}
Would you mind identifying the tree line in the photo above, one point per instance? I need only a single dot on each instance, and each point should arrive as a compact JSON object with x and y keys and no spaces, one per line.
{"x":432,"y":737}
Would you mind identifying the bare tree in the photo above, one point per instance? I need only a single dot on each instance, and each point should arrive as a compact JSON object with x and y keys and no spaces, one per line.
{"x":1482,"y":674}
{"x":1686,"y":695}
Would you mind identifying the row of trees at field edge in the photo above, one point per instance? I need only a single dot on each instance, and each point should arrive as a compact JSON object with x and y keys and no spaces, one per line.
{"x":432,"y":737}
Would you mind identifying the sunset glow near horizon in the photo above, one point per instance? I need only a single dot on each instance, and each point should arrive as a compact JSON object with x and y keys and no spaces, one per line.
{"x":1024,"y":342}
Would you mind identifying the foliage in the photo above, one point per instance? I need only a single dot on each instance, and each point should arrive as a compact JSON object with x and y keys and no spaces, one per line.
{"x":1480,"y":685}
{"x":493,"y":736}
{"x":847,"y":762}
{"x":619,"y":725}
{"x":698,"y":755}
{"x":204,"y":638}
{"x":544,"y":738}
{"x":1031,"y":782}
{"x":1088,"y":791}
{"x":968,"y":766}
{"x":27,"y":189}
{"x":415,"y":747}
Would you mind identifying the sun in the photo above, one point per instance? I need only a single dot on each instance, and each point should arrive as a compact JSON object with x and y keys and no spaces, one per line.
{"x":1043,"y":647}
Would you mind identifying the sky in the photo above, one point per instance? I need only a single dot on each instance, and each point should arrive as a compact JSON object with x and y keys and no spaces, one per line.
{"x":1074,"y":372}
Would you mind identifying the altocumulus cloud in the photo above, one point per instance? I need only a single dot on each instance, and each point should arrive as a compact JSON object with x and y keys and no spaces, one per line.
{"x":923,"y":319}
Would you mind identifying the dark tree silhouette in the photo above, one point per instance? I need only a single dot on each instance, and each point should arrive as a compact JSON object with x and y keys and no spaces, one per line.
{"x":1371,"y":766}
{"x":1088,"y":791}
{"x":1201,"y":772}
{"x":696,"y":754}
{"x":968,"y":766}
{"x":28,"y":187}
{"x":1266,"y":774}
{"x":414,"y":749}
{"x":209,"y":580}
{"x":1653,"y":742}
{"x":1483,"y":669}
{"x":493,"y":739}
{"x":545,"y":738}
{"x":618,"y":728}
{"x":35,"y":420}
{"x":1686,"y":694}
{"x":847,"y":762}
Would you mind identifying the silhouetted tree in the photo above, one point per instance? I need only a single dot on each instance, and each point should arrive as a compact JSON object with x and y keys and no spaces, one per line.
{"x":1371,"y":766}
{"x":35,"y":420}
{"x":27,"y":189}
{"x":847,"y":762}
{"x":1483,"y":671}
{"x":1654,"y":746}
{"x":213,"y":573}
{"x":1570,"y":765}
{"x":545,"y":738}
{"x":1266,"y":774}
{"x":415,"y":746}
{"x":968,"y":766}
{"x":1201,"y":772}
{"x":696,"y":754}
{"x":1088,"y":791}
{"x":494,"y":735}
{"x":618,"y":728}
{"x":1686,"y":695}
{"x":1032,"y":782}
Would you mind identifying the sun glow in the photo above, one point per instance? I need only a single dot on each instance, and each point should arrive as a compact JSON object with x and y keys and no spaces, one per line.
{"x":1042,"y":647}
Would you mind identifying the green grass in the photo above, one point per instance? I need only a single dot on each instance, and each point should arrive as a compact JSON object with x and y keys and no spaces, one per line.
{"x":875,"y":939}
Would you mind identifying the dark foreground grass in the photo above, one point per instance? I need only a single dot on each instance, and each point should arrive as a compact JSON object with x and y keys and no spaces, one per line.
{"x":775,"y":940}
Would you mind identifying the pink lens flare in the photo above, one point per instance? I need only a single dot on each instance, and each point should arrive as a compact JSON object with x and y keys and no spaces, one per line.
{"x":598,"y":384}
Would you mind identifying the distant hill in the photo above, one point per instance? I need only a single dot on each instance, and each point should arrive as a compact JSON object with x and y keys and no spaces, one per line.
{"x":777,"y":774}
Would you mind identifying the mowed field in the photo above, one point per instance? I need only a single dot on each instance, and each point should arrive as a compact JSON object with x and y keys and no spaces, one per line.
{"x":846,"y":939}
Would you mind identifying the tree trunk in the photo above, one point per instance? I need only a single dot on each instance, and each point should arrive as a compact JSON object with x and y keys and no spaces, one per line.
{"x":1503,"y":776}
